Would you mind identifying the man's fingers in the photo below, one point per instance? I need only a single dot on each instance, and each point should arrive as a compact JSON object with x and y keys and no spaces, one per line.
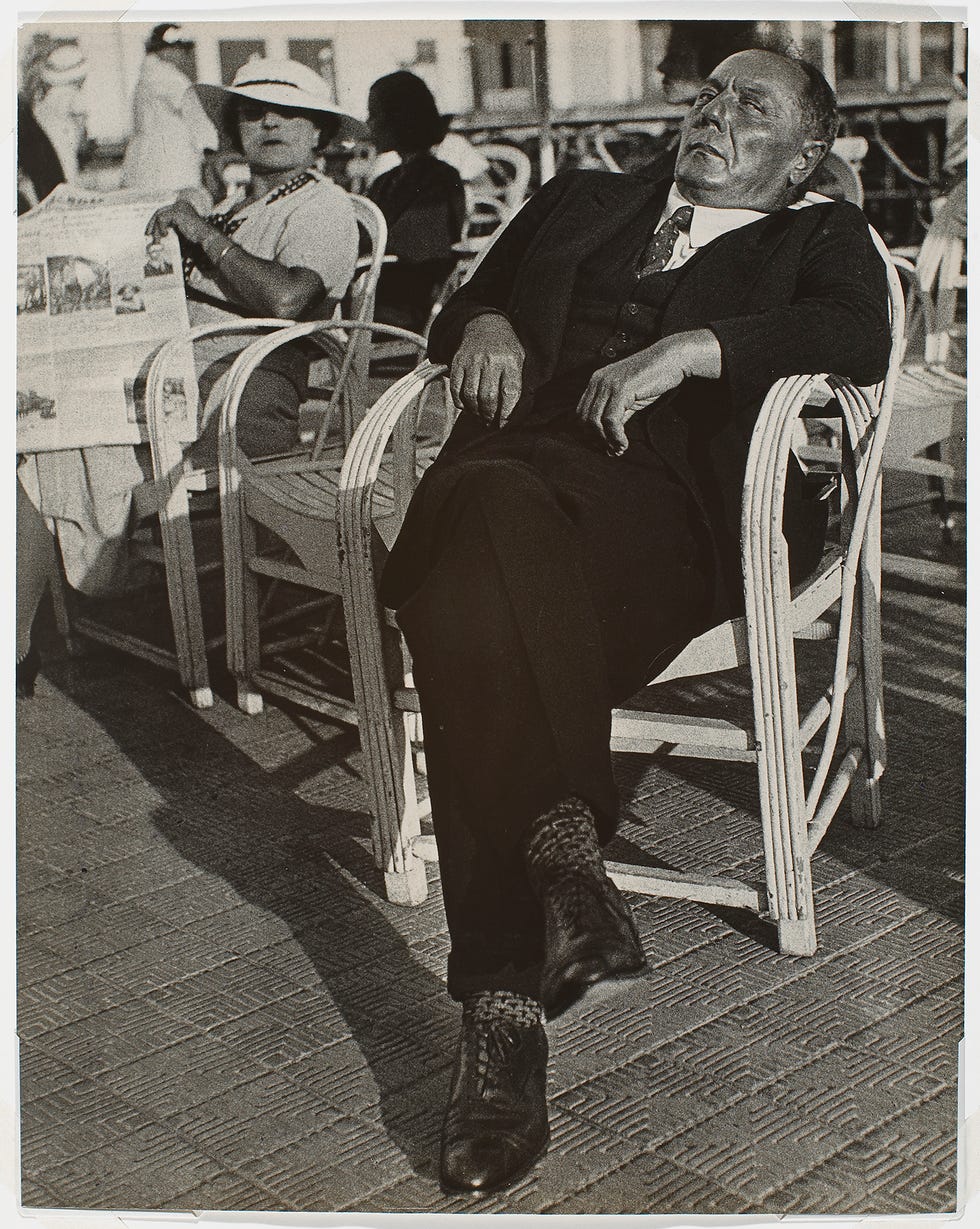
{"x":613,"y":420}
{"x":457,"y":371}
{"x":511,"y":387}
{"x":488,"y":393}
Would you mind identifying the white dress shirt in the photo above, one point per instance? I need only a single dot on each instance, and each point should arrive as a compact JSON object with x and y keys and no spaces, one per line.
{"x":708,"y":223}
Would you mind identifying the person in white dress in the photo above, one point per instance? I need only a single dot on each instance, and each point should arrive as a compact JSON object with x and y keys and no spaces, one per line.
{"x":171,"y":131}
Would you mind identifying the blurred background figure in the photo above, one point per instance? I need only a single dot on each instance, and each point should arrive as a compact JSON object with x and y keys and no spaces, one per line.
{"x":421,"y":196}
{"x":171,"y":131}
{"x":51,"y":118}
{"x":693,"y":50}
{"x":954,"y":154}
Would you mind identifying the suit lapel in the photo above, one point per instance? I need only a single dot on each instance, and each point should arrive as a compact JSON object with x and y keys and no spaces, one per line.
{"x":723,"y":274}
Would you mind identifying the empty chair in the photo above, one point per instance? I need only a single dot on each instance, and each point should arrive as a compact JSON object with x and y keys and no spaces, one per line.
{"x":279,"y":522}
{"x":928,"y":434}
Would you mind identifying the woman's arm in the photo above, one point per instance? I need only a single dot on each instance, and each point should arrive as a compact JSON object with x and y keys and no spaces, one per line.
{"x":264,"y":287}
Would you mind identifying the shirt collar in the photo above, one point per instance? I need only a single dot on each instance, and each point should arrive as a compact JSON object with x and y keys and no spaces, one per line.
{"x":709,"y":223}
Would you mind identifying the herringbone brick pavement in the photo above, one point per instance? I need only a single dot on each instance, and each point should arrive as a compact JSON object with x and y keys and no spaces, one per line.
{"x":218,"y":1009}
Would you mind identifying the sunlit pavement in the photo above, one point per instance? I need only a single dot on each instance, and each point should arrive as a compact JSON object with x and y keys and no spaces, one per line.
{"x":218,"y":1009}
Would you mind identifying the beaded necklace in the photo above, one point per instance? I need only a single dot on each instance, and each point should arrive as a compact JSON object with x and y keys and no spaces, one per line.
{"x":228,"y":224}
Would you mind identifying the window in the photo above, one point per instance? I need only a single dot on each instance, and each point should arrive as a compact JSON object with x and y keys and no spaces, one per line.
{"x":936,"y":50}
{"x":235,"y":52}
{"x":316,"y":53}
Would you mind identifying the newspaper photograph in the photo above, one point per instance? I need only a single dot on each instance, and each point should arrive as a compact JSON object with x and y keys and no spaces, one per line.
{"x":96,"y":298}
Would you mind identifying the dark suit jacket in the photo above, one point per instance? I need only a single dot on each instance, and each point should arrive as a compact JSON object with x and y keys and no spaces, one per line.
{"x":799,"y":291}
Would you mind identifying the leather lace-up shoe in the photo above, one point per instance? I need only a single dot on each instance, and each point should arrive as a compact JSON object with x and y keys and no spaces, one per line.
{"x":496,"y":1123}
{"x":590,"y":936}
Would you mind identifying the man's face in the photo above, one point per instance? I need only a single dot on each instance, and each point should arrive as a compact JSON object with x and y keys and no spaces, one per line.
{"x":742,"y":142}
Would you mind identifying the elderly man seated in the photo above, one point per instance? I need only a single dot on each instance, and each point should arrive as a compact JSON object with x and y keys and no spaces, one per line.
{"x":609,"y":356}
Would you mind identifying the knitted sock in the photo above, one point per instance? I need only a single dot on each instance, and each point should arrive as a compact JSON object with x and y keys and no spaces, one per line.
{"x":503,"y":1006}
{"x":563,"y":841}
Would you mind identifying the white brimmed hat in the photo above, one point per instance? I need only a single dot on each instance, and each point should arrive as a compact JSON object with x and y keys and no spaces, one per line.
{"x":64,"y":64}
{"x":284,"y":83}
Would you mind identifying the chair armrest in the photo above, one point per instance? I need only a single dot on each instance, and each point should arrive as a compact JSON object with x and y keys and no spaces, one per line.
{"x":865,"y":415}
{"x":334,"y":337}
{"x":166,"y":450}
{"x":359,"y":473}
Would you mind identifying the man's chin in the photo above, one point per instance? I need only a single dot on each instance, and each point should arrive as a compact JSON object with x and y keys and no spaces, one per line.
{"x":708,"y":177}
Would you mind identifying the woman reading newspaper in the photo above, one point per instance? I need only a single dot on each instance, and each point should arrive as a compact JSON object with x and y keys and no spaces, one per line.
{"x":286,"y":250}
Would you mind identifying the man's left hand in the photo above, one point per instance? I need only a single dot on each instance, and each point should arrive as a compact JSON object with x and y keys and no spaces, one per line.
{"x":615,"y":393}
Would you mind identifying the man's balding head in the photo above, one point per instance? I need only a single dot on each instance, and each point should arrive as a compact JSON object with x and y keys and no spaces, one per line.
{"x":757,"y":130}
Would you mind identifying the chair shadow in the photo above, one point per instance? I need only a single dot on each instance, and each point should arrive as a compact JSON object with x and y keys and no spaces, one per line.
{"x":309,"y":865}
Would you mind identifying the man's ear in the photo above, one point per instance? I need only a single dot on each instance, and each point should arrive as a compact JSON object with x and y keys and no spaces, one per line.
{"x":807,"y":161}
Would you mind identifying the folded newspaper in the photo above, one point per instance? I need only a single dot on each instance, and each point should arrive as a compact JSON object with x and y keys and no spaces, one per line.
{"x":96,"y":299}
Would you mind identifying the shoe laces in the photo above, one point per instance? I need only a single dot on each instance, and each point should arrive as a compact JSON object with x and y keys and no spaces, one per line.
{"x":496,"y":1041}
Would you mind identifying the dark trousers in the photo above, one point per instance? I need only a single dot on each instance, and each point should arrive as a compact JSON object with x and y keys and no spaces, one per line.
{"x":538,"y":580}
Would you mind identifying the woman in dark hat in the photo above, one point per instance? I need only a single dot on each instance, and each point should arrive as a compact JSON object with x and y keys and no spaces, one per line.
{"x":422,"y":198}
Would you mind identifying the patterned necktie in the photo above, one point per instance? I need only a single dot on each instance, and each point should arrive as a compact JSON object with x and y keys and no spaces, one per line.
{"x":661,"y":247}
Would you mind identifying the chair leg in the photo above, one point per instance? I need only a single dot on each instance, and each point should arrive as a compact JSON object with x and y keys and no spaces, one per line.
{"x":864,"y":711}
{"x":938,"y":496}
{"x":59,"y":602}
{"x":780,"y":769}
{"x":185,"y":598}
{"x":385,"y":733}
{"x":241,"y":604}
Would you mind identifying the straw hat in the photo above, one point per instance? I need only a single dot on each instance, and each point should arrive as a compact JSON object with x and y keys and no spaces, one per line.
{"x":284,"y":83}
{"x":64,"y":64}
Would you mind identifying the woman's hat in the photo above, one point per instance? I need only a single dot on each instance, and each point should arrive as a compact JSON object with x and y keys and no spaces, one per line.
{"x":167,"y":35}
{"x":408,"y":111}
{"x":64,"y":64}
{"x":284,"y":83}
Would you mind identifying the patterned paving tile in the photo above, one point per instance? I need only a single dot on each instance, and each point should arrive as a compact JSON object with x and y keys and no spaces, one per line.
{"x":220,"y":1012}
{"x":804,"y":1117}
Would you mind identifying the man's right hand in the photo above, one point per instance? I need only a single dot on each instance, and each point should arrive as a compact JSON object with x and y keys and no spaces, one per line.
{"x":485,"y":375}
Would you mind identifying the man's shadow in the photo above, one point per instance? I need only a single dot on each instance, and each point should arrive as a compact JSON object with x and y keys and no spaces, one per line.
{"x":309,"y":865}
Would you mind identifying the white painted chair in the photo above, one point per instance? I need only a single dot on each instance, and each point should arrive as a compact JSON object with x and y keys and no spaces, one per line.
{"x":928,"y":434}
{"x":840,"y":600}
{"x":510,"y":172}
{"x":176,"y":483}
{"x":278,"y":519}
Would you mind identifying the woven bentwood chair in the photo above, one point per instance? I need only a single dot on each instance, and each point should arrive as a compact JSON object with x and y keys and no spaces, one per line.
{"x":278,"y":523}
{"x":840,"y":600}
{"x":181,"y":492}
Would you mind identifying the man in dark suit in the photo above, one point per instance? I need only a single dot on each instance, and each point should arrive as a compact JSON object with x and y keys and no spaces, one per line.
{"x":609,"y":356}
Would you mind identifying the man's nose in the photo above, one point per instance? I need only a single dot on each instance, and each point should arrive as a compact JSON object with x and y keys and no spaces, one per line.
{"x":716,"y":110}
{"x":270,"y":119}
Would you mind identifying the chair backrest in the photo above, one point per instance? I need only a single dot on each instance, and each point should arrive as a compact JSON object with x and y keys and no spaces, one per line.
{"x":365,"y":284}
{"x":484,"y":216}
{"x":354,"y":367}
{"x":939,"y":276}
{"x":896,"y":315}
{"x":511,"y":166}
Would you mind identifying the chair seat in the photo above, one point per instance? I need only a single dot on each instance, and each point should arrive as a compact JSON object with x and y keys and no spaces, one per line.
{"x":296,"y":499}
{"x":929,"y":408}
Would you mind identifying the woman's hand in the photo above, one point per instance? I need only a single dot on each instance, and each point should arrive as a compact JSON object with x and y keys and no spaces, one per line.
{"x":182,"y":217}
{"x":615,"y":393}
{"x":485,"y":375}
